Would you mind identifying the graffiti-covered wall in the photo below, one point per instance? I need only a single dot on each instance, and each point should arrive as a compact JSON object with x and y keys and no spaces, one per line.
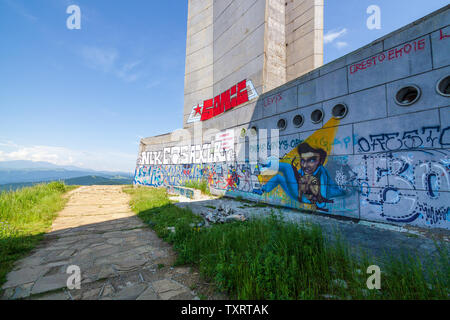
{"x":366,"y":136}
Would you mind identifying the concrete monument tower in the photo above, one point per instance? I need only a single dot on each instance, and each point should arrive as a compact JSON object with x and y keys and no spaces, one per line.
{"x":365,"y":137}
{"x":265,"y":42}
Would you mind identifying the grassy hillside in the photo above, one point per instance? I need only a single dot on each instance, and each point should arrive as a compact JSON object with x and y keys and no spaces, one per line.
{"x":25,"y":215}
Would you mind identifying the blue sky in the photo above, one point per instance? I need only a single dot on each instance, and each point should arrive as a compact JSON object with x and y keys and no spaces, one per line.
{"x":86,"y":97}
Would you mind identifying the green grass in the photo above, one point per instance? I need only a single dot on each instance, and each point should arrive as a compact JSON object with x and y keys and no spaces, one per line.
{"x":273,"y":259}
{"x":154,"y":208}
{"x":253,"y":204}
{"x":201,"y":185}
{"x":25,"y":215}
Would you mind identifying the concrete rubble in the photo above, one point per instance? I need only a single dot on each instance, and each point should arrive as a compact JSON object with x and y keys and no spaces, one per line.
{"x":224,"y":214}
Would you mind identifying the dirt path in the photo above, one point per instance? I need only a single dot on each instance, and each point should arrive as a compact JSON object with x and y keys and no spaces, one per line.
{"x":117,"y":255}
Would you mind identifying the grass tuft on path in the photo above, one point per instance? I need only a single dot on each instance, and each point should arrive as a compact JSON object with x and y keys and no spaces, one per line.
{"x":154,"y":208}
{"x":274,"y":259}
{"x":25,"y":215}
{"x":201,"y":185}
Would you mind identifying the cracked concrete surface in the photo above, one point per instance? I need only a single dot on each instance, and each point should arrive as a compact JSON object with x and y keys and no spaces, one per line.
{"x":118,"y":256}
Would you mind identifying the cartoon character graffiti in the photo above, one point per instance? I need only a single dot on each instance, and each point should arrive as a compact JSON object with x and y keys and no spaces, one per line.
{"x":310,"y":184}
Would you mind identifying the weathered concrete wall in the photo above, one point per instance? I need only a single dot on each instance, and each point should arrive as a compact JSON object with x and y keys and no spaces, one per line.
{"x":233,"y":40}
{"x":381,"y":161}
{"x":239,"y":27}
{"x":199,"y":77}
{"x":275,"y":45}
{"x":304,"y":37}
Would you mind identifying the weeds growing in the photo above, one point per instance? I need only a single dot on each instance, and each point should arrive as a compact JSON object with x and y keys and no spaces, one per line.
{"x":25,"y":215}
{"x":273,"y":259}
{"x":201,"y":185}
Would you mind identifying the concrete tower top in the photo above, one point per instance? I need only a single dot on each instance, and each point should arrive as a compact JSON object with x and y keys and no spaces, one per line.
{"x":237,"y":44}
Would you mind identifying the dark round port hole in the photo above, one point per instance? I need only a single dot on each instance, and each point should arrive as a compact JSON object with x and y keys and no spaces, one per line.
{"x":281,"y":124}
{"x":407,"y":95}
{"x":443,"y":86}
{"x":339,"y":111}
{"x":317,"y":116}
{"x":298,"y":121}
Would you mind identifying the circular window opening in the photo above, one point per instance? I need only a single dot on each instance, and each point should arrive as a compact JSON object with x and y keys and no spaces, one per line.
{"x":298,"y":121}
{"x":281,"y":124}
{"x":317,"y":116}
{"x":443,"y":86}
{"x":340,"y":111}
{"x":407,"y":95}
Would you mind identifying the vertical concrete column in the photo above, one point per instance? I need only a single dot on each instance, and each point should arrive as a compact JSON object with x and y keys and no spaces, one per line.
{"x":268,"y":42}
{"x":199,"y":76}
{"x":239,"y":34}
{"x":274,"y":45}
{"x":304,"y":37}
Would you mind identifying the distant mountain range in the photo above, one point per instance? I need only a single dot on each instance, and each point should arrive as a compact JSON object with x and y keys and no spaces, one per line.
{"x":24,"y":164}
{"x":29,"y":172}
{"x":80,"y":181}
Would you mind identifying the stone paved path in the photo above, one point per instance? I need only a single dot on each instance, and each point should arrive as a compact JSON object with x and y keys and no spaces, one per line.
{"x":119,"y":257}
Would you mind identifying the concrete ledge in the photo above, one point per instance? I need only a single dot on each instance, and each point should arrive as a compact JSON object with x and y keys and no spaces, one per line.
{"x":182,"y":191}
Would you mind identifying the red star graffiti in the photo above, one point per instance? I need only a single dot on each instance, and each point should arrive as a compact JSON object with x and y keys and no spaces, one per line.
{"x":198,"y":110}
{"x":230,"y":182}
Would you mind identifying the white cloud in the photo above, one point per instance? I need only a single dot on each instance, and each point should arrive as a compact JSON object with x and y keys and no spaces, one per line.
{"x":105,"y":161}
{"x":126,"y":72}
{"x":130,"y":66}
{"x":7,"y":144}
{"x":128,"y":77}
{"x":106,"y":60}
{"x":99,"y":58}
{"x":332,"y":35}
{"x":341,"y":44}
{"x":54,"y":155}
{"x":20,"y":9}
{"x":153,"y":84}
